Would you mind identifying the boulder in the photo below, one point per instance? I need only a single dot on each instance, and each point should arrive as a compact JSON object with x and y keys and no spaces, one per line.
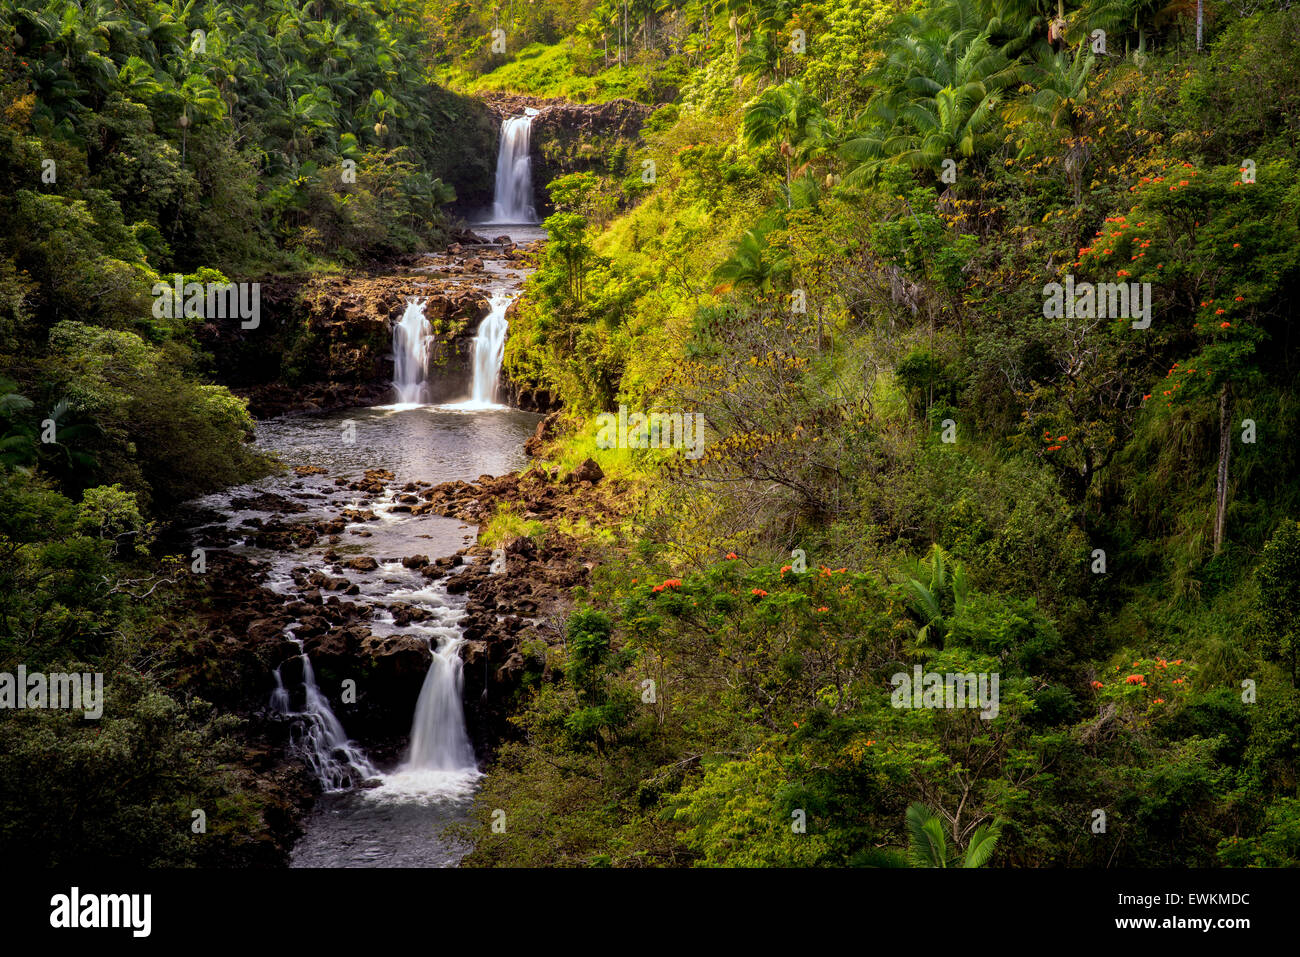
{"x":588,"y":471}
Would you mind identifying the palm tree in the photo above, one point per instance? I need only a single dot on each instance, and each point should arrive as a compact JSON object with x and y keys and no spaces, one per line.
{"x":788,"y":114}
{"x":199,"y":101}
{"x":1133,"y":15}
{"x":66,"y":453}
{"x":752,"y":263}
{"x":18,"y":444}
{"x":737,"y":9}
{"x":761,"y":55}
{"x":941,"y":89}
{"x":936,"y":589}
{"x":305,"y":117}
{"x":1059,"y":90}
{"x":928,"y":844}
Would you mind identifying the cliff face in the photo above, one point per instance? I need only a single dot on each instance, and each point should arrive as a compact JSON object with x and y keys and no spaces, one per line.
{"x":575,"y":137}
{"x":464,"y":145}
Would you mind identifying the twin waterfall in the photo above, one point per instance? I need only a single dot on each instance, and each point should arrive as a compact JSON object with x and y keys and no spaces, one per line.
{"x":411,"y":340}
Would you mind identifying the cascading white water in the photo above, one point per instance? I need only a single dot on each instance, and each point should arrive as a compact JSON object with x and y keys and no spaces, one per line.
{"x":489,"y":350}
{"x":513,"y":201}
{"x":318,"y":736}
{"x":411,"y":336}
{"x":439,"y":741}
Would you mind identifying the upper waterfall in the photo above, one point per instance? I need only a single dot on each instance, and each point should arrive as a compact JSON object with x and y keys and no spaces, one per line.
{"x":513,"y":201}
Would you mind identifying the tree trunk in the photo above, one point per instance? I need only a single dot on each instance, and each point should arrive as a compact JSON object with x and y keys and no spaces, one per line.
{"x":1221,"y":486}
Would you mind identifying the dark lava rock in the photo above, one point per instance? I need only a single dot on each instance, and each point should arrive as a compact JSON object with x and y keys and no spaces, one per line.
{"x":588,"y":471}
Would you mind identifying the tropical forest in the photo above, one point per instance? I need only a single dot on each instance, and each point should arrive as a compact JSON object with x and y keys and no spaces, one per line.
{"x":634,"y":434}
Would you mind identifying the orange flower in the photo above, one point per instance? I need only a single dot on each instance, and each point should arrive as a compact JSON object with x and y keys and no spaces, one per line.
{"x":759,"y":592}
{"x":1097,"y":684}
{"x":784,"y":569}
{"x":1225,"y":325}
{"x":1160,"y":701}
{"x":1236,"y":245}
{"x":732,"y":556}
{"x":822,"y":610}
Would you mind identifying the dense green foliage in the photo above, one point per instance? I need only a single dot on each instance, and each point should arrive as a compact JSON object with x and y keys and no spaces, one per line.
{"x":842,"y":262}
{"x":141,"y":141}
{"x":836,"y":243}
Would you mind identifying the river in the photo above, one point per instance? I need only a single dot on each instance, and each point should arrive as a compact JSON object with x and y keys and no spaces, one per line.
{"x":372,"y":814}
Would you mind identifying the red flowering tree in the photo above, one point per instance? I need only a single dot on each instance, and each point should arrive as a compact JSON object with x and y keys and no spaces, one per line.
{"x":1217,"y":250}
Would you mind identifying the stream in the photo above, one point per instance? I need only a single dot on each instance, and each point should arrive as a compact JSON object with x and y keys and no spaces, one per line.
{"x":372,"y":814}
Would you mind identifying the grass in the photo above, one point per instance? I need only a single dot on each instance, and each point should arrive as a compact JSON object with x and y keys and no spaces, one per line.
{"x":508,"y":524}
{"x":549,"y":71}
{"x":632,"y":465}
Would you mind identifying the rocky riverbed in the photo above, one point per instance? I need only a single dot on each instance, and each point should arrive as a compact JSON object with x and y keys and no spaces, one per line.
{"x":360,"y":571}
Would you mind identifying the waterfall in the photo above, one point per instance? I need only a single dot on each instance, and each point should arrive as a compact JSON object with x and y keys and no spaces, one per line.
{"x":489,"y":350}
{"x":411,"y":337}
{"x":513,"y":202}
{"x":318,"y":736}
{"x":439,"y":741}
